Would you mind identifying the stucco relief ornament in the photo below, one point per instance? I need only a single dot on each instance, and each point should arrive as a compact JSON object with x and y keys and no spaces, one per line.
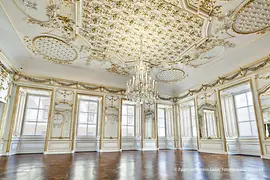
{"x":196,"y":53}
{"x":52,"y":48}
{"x":243,"y":71}
{"x":30,"y":5}
{"x":117,"y":70}
{"x":56,"y":22}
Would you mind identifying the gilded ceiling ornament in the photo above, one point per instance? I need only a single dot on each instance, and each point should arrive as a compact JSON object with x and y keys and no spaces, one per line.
{"x":253,"y":17}
{"x":171,"y":75}
{"x":197,"y":52}
{"x":114,"y":28}
{"x":30,"y":5}
{"x":52,"y":49}
{"x":117,"y":70}
{"x":56,"y":22}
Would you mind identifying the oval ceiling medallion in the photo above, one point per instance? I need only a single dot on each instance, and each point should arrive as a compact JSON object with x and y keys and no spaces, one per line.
{"x":171,"y":75}
{"x":208,"y":56}
{"x":35,"y":9}
{"x":252,"y":17}
{"x":55,"y":49}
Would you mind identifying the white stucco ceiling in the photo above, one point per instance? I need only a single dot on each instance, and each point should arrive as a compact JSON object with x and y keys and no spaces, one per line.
{"x":247,"y":48}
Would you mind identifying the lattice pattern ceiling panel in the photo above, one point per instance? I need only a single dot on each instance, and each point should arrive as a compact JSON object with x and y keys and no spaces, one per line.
{"x":253,"y":17}
{"x":114,"y":29}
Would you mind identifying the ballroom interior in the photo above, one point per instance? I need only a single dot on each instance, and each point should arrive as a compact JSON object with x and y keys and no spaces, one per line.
{"x":134,"y":89}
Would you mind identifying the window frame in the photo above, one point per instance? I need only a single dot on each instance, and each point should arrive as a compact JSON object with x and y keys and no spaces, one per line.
{"x":214,"y":124}
{"x":247,"y":106}
{"x":127,"y":116}
{"x":38,"y":109}
{"x":87,"y":122}
{"x":187,"y":124}
{"x":164,"y":120}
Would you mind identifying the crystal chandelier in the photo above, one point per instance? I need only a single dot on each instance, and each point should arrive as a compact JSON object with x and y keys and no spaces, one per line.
{"x":141,"y":88}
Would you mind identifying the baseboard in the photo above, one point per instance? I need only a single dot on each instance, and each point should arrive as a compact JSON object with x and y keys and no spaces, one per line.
{"x":265,"y":157}
{"x":149,"y":150}
{"x":102,"y":150}
{"x":213,"y":152}
{"x":57,"y":152}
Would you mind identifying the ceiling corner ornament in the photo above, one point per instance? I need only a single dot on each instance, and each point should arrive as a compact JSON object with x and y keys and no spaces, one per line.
{"x":171,"y":75}
{"x":253,"y":17}
{"x":197,"y":56}
{"x":52,"y":49}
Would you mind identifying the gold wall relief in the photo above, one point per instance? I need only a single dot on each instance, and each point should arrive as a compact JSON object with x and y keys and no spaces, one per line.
{"x":112,"y":116}
{"x":62,"y":114}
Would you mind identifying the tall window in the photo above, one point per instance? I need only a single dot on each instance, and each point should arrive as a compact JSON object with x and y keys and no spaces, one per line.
{"x":193,"y":121}
{"x":210,"y":127}
{"x":36,"y":115}
{"x":128,"y":119}
{"x":188,"y":121}
{"x":245,"y":115}
{"x":88,"y":118}
{"x":161,"y":122}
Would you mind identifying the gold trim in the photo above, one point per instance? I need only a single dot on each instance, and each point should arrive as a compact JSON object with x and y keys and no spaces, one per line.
{"x":156,"y":126}
{"x":142,"y":126}
{"x":102,"y":123}
{"x":174,"y":125}
{"x":116,"y":108}
{"x":49,"y":122}
{"x":256,"y":114}
{"x":264,"y":89}
{"x":75,"y":120}
{"x":262,"y":118}
{"x":249,"y":81}
{"x":242,"y":72}
{"x":70,"y":125}
{"x":57,"y":82}
{"x":197,"y":123}
{"x":26,"y":14}
{"x":236,"y":15}
{"x":120,"y":123}
{"x":15,"y":105}
{"x":179,"y":126}
{"x":221,"y":120}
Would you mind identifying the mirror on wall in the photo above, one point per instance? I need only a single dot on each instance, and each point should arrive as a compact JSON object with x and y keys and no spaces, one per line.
{"x":62,"y":114}
{"x":208,"y":115}
{"x":149,"y":121}
{"x":265,"y":109}
{"x":111,"y":125}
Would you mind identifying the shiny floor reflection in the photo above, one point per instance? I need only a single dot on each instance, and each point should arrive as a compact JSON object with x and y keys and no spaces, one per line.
{"x":129,"y":165}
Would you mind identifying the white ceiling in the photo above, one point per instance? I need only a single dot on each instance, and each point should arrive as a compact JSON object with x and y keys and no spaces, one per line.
{"x":248,"y":48}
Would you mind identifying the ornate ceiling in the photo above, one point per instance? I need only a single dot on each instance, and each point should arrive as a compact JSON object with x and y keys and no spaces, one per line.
{"x":105,"y":35}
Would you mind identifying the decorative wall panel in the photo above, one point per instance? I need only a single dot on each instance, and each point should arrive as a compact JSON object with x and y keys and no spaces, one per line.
{"x":112,"y":113}
{"x":62,"y":114}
